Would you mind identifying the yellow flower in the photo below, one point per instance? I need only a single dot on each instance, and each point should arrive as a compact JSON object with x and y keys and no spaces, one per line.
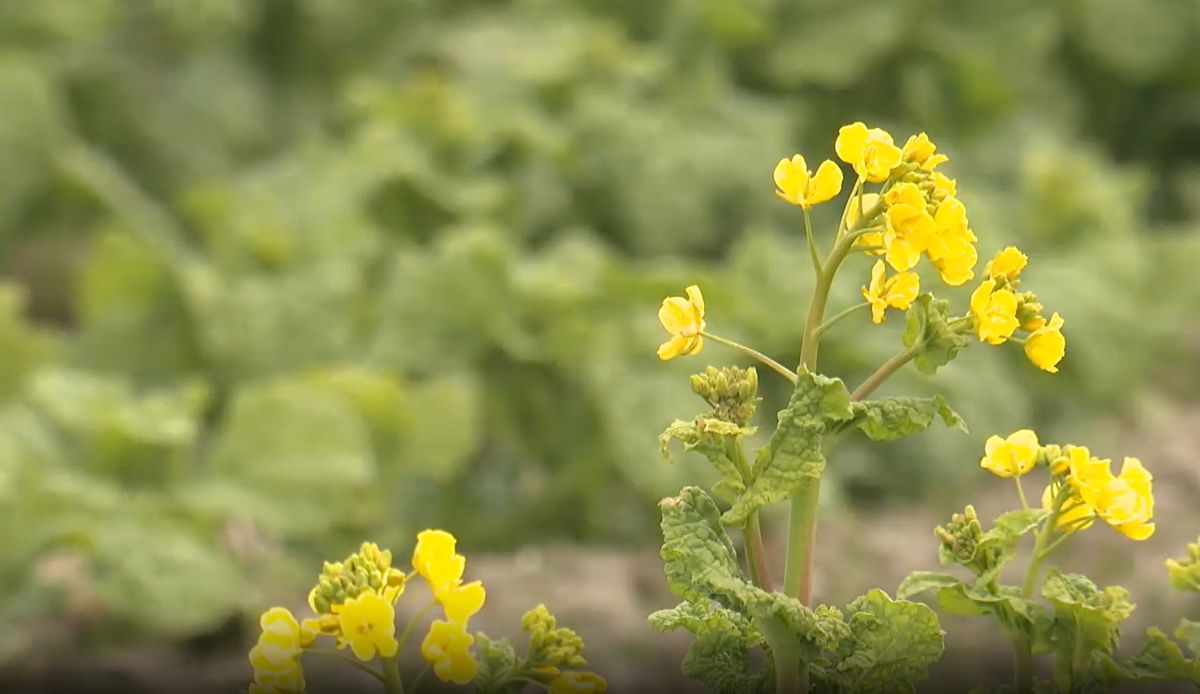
{"x":447,"y":648}
{"x":898,"y":291}
{"x":870,"y":151}
{"x":909,"y":227}
{"x":1046,"y":346}
{"x":799,"y":187}
{"x":995,"y":312}
{"x":1125,"y":501}
{"x":943,"y":186}
{"x":684,"y":319}
{"x":368,"y":624}
{"x":1008,"y":264}
{"x":951,"y":247}
{"x":436,"y":560}
{"x":1011,"y":457}
{"x":578,"y":683}
{"x":920,"y":150}
{"x":310,"y":629}
{"x":1074,"y":516}
{"x":276,"y":656}
{"x":461,"y":602}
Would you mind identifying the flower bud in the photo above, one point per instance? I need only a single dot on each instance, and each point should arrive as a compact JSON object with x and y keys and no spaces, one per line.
{"x":731,"y":392}
{"x":1029,"y":312}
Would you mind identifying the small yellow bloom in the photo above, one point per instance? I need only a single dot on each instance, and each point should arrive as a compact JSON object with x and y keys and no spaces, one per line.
{"x":898,"y":291}
{"x":461,"y":602}
{"x":870,"y":151}
{"x":1008,"y":264}
{"x":1125,"y":501}
{"x":436,"y":561}
{"x":951,"y":246}
{"x":1074,"y":516}
{"x":276,"y":656}
{"x":799,"y":187}
{"x":579,"y":683}
{"x":995,"y":312}
{"x":368,"y":625}
{"x":1046,"y":346}
{"x":909,"y":227}
{"x":1013,"y":456}
{"x":447,"y":648}
{"x":920,"y":150}
{"x":310,"y":629}
{"x":943,"y":186}
{"x":684,"y":319}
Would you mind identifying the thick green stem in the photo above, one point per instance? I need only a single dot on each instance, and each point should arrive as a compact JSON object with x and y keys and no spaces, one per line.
{"x":769,"y":362}
{"x":391,"y":675}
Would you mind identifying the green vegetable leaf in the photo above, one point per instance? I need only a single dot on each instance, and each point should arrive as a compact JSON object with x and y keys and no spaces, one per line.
{"x":1086,"y":619}
{"x":1189,"y":633}
{"x":985,"y":553}
{"x":929,"y":320}
{"x":720,"y":655}
{"x":892,"y":644}
{"x":1016,"y":614}
{"x":1185,"y":572}
{"x":711,"y":438}
{"x":896,"y":418}
{"x":918,"y":582}
{"x":1160,"y":658}
{"x":794,"y":456}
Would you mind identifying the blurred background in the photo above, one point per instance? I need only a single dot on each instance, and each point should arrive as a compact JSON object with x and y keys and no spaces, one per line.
{"x":282,"y":275}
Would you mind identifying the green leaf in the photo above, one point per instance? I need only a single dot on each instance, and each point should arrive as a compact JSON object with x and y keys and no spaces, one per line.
{"x":1016,"y":614}
{"x":497,"y":659}
{"x":1189,"y":633}
{"x":1185,"y":572}
{"x":892,"y":644}
{"x":794,"y":457}
{"x":720,"y":655}
{"x":929,"y":320}
{"x":918,"y":582}
{"x":1086,"y":619}
{"x":896,"y":418}
{"x":711,"y":438}
{"x":701,"y":565}
{"x":1160,"y":658}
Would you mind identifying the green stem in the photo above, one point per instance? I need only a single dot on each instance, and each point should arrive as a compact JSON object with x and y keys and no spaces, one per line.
{"x":812,"y":242}
{"x":419,"y":679}
{"x":412,"y":623}
{"x":756,"y":553}
{"x":839,"y":316}
{"x":1021,"y":493}
{"x":769,"y":362}
{"x":391,"y":675}
{"x":1023,"y":666}
{"x":348,"y":660}
{"x":885,"y":371}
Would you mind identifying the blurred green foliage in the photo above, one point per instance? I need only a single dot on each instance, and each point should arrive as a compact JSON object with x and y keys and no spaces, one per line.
{"x":285,"y":274}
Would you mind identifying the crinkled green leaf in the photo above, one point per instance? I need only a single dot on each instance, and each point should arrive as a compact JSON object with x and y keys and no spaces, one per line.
{"x":497,"y":658}
{"x":896,"y":418}
{"x":720,"y":655}
{"x":892,"y":644}
{"x":1086,"y":619}
{"x":1189,"y":633}
{"x":1016,"y":614}
{"x":929,"y":320}
{"x":701,"y":565}
{"x":711,"y":438}
{"x":999,"y":545}
{"x":1185,"y":572}
{"x":1160,"y":658}
{"x":794,"y":457}
{"x":918,"y":582}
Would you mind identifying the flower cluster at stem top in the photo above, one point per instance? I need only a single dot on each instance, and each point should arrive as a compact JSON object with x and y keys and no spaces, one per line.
{"x":1082,"y":488}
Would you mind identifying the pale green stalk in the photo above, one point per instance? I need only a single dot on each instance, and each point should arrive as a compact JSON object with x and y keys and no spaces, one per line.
{"x":749,"y":351}
{"x":1023,"y":666}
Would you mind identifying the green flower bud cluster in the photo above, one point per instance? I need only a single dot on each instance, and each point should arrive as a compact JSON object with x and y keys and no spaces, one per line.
{"x":367,"y":569}
{"x":550,"y":646}
{"x":960,"y":537}
{"x":1054,"y":457}
{"x":1185,"y":572}
{"x":1029,"y":311}
{"x":731,"y":392}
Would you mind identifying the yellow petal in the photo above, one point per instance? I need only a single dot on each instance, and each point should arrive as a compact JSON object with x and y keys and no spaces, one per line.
{"x":849,"y":143}
{"x":826,"y":184}
{"x":696,"y":299}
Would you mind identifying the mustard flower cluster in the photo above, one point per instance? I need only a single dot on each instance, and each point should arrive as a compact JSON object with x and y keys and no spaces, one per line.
{"x":1082,"y":488}
{"x":447,"y":647}
{"x":999,"y":309}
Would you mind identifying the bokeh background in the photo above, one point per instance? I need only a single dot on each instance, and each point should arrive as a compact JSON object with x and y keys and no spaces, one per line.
{"x":282,"y":275}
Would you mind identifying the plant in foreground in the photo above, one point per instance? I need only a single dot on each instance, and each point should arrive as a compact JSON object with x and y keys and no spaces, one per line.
{"x":354,"y":602}
{"x":876,"y":643}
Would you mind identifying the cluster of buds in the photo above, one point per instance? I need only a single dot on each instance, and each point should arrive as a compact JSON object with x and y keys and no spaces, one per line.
{"x":961,"y":541}
{"x":731,"y":392}
{"x":551,"y":647}
{"x":368,"y":569}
